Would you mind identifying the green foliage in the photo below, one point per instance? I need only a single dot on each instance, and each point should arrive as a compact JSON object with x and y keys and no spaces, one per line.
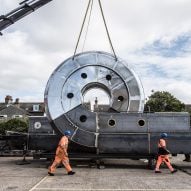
{"x":164,"y":102}
{"x":14,"y":125}
{"x":188,"y":110}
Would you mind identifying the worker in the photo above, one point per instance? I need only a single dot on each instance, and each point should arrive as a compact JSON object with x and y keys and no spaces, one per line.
{"x":62,"y":155}
{"x":163,"y":154}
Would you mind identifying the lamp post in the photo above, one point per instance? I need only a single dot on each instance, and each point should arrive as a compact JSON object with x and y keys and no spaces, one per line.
{"x":149,"y":108}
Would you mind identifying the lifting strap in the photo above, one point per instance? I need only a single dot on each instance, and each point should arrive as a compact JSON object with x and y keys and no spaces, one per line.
{"x":107,"y":31}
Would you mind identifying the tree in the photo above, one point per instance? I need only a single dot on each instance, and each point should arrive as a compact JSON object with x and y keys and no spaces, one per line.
{"x":14,"y":125}
{"x":162,"y":101}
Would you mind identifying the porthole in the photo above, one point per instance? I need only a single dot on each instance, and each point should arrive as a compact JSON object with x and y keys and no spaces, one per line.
{"x":84,"y":75}
{"x":83,"y":118}
{"x":108,"y":77}
{"x":141,"y":122}
{"x":70,"y":95}
{"x":120,"y":98}
{"x":111,"y":122}
{"x":37,"y":125}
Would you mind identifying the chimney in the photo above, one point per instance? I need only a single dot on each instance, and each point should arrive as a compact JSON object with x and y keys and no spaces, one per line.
{"x":8,"y":99}
{"x":17,"y":102}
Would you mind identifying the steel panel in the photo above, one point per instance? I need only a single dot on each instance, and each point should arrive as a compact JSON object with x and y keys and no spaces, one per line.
{"x":87,"y":125}
{"x":39,"y":125}
{"x":123,"y":143}
{"x":168,"y":122}
{"x":84,"y":138}
{"x":62,"y":124}
{"x":124,"y":122}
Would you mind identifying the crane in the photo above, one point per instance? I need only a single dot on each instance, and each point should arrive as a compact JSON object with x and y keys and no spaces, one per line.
{"x":26,"y":7}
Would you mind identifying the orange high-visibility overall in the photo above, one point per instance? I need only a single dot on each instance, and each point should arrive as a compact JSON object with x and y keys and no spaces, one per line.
{"x":163,"y":158}
{"x":61,"y":156}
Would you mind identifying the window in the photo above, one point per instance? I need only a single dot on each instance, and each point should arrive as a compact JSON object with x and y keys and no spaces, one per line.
{"x":35,"y":107}
{"x":17,"y":116}
{"x":2,"y":117}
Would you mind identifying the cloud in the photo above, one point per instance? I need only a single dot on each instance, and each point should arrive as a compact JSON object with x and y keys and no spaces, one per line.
{"x":162,"y":72}
{"x":174,"y":48}
{"x":153,"y":36}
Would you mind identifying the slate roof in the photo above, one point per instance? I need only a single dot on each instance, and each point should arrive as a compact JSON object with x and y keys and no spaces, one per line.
{"x":11,"y":110}
{"x":26,"y":106}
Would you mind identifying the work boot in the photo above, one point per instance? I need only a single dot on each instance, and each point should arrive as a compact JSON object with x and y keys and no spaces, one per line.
{"x":187,"y":160}
{"x":158,"y":171}
{"x":71,"y":173}
{"x":175,"y":170}
{"x":50,"y":174}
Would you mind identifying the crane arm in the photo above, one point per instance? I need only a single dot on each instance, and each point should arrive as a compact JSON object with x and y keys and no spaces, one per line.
{"x":26,"y":7}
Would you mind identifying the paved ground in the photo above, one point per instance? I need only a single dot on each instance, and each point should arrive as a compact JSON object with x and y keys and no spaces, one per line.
{"x":117,"y":175}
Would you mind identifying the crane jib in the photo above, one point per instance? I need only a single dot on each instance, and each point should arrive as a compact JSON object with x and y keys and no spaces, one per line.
{"x":20,"y":12}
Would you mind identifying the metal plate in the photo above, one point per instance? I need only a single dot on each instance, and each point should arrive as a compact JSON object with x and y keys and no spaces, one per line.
{"x":72,"y":78}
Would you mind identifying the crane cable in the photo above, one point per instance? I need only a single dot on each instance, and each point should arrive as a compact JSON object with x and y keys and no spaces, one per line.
{"x":107,"y":31}
{"x":87,"y":26}
{"x":82,"y":28}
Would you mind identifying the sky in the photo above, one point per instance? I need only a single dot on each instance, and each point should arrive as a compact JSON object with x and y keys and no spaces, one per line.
{"x":153,"y":36}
